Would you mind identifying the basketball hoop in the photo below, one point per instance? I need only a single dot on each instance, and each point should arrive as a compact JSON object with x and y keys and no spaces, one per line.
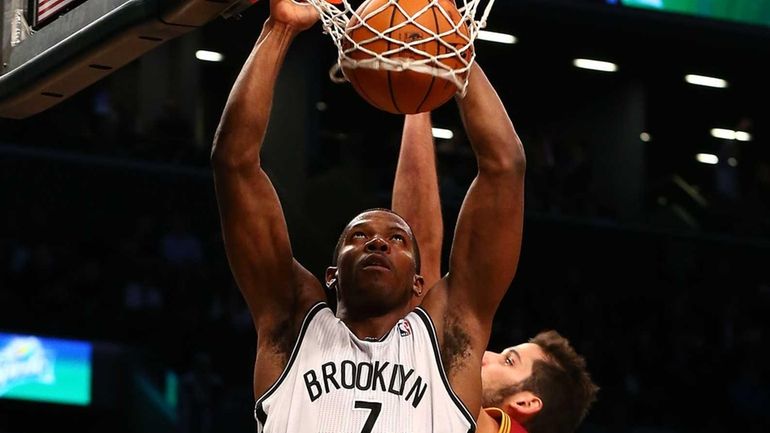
{"x":341,"y":19}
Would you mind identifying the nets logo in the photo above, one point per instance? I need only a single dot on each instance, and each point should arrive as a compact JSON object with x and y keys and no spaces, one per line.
{"x":404,"y":328}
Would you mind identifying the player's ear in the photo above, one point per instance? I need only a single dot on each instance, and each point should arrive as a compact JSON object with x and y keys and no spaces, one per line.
{"x":418,"y":286}
{"x":522,"y":405}
{"x":331,"y":276}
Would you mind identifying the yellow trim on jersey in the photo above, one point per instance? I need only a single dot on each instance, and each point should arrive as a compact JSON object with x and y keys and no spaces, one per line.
{"x":500,"y":416}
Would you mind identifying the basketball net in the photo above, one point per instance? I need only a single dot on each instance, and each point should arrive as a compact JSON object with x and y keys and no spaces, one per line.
{"x":336,"y":16}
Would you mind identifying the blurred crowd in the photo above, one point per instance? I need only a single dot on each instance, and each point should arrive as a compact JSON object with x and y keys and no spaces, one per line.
{"x":669,"y":308}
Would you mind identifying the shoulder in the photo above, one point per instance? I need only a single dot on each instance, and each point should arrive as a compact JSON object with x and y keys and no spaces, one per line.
{"x":280,"y":343}
{"x":284,"y":333}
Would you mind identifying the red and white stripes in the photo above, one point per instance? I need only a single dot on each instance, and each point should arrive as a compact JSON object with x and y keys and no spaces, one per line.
{"x":48,"y":8}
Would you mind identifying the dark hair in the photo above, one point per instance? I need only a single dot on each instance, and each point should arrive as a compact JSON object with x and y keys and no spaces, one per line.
{"x":344,"y":234}
{"x":563,"y":384}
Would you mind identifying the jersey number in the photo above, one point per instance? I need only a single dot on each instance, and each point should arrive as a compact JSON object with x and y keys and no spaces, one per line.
{"x":374,"y":411}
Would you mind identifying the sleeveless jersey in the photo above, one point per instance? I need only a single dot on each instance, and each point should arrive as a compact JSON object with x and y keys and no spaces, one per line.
{"x":337,"y":383}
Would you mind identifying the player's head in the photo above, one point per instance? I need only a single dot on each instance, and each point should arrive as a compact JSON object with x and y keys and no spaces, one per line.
{"x":542,"y":384}
{"x":376,"y":264}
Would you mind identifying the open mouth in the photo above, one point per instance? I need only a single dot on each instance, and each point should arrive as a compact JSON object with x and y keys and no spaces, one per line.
{"x":375,"y":261}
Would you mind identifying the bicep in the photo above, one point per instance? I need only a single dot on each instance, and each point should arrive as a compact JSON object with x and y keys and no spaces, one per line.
{"x":487,"y":242}
{"x":256,"y":238}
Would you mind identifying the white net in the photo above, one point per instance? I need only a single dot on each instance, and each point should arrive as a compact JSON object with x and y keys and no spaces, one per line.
{"x":415,"y":41}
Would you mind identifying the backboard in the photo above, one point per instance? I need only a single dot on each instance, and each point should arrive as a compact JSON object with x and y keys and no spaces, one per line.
{"x":52,"y":50}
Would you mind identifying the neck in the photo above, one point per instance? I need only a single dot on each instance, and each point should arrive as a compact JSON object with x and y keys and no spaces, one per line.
{"x":370,"y":327}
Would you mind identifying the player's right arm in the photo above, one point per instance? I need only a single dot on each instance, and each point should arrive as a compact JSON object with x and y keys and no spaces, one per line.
{"x":276,"y":288}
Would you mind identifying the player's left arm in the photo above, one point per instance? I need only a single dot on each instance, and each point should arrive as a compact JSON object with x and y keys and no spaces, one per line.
{"x":487,"y":239}
{"x":416,"y":193}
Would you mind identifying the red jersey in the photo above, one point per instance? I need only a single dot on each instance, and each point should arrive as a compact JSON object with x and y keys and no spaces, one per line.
{"x":507,"y":425}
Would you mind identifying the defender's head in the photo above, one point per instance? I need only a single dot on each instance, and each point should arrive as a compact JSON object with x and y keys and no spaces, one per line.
{"x":542,"y":384}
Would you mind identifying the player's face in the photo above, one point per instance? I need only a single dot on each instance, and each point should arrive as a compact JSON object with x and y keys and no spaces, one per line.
{"x":500,"y":371}
{"x":376,"y":262}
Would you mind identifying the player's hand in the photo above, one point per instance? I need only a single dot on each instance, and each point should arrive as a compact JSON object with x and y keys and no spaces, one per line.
{"x":295,"y":13}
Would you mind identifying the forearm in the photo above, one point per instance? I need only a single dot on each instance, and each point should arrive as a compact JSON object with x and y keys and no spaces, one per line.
{"x":253,"y":226}
{"x":487,"y":242}
{"x":242,"y":126}
{"x":416,"y":194}
{"x":494,"y":140}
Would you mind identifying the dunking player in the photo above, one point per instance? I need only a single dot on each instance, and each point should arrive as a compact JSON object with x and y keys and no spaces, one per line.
{"x":541,"y":386}
{"x":380,"y":365}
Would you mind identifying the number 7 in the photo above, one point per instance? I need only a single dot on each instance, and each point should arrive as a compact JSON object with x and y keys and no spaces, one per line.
{"x":374,"y":411}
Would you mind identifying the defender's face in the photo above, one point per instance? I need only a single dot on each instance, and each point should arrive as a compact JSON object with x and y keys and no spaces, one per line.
{"x":376,"y":263}
{"x":500,"y":371}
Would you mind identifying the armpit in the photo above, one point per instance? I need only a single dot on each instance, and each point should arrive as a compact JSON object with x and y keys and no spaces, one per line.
{"x":456,"y":348}
{"x":282,"y":338}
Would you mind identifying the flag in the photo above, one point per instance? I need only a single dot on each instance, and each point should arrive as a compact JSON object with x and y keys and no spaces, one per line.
{"x":49,"y":8}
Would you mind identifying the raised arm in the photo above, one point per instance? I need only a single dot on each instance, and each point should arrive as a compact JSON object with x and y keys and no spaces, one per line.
{"x":487,"y":239}
{"x":416,"y":194}
{"x":253,"y":225}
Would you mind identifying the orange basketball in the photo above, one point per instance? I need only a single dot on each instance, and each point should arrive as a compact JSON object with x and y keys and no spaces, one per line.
{"x":406,"y":92}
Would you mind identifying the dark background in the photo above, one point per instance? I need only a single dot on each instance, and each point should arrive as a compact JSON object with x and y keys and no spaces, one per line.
{"x":654,"y":265}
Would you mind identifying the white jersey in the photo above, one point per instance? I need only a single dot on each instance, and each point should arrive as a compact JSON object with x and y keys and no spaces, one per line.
{"x":337,"y":383}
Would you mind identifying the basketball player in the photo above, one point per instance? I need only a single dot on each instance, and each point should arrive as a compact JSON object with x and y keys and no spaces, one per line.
{"x":539,"y":386}
{"x":380,"y":365}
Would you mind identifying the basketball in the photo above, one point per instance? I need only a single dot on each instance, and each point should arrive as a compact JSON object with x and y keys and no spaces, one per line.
{"x":407,"y":91}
